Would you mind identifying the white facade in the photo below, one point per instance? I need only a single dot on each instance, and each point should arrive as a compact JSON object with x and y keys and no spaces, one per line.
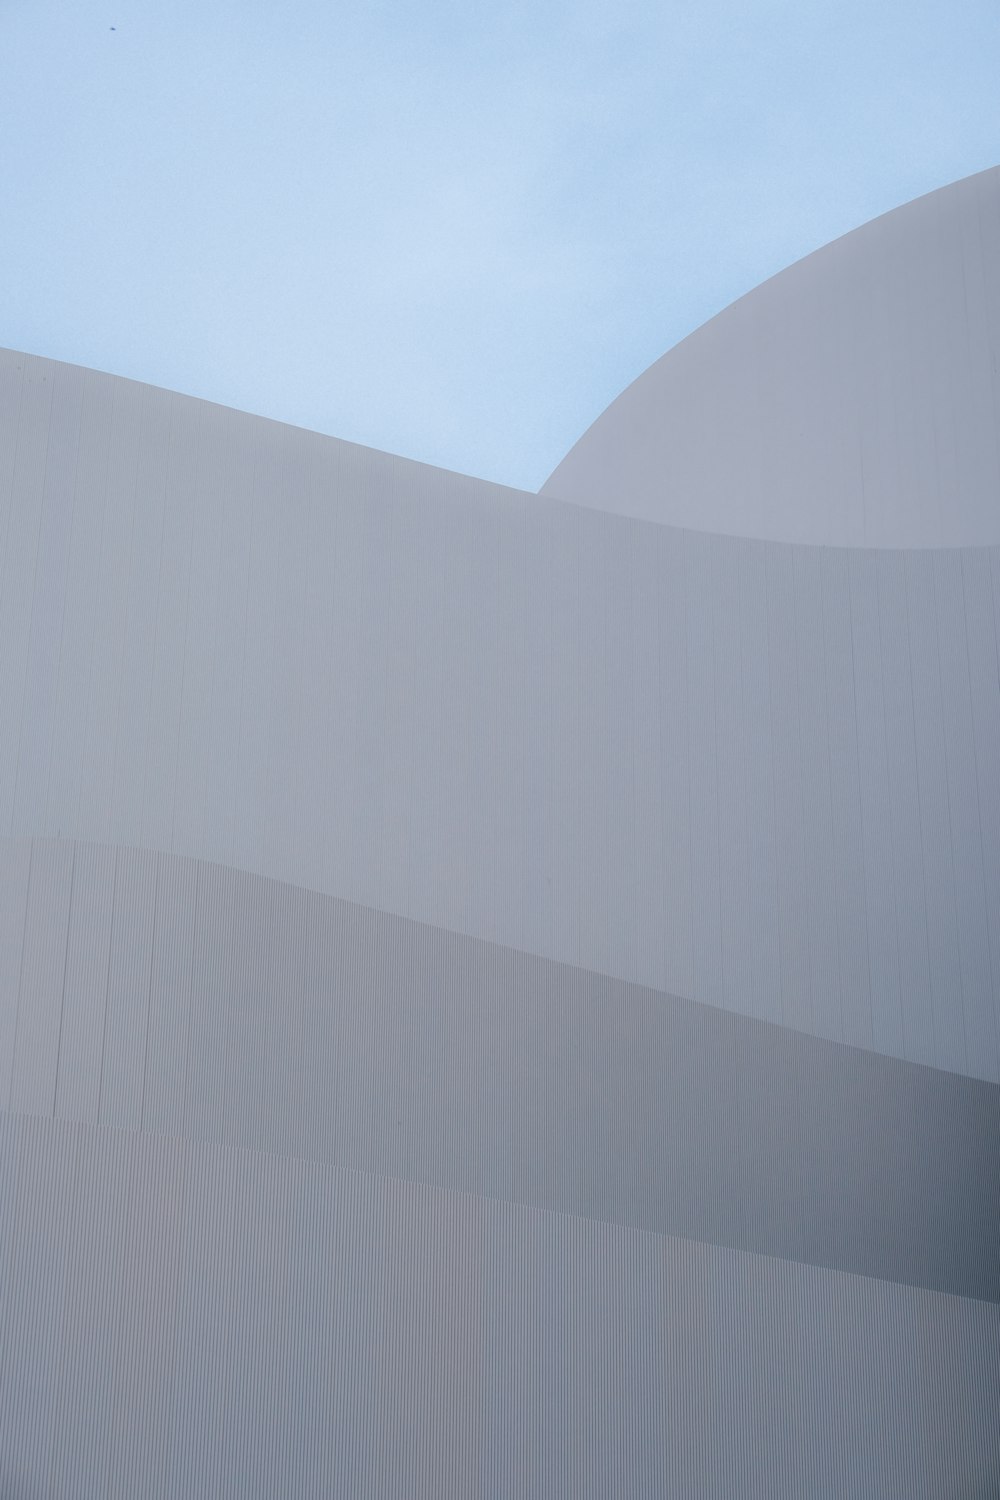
{"x":500,"y":994}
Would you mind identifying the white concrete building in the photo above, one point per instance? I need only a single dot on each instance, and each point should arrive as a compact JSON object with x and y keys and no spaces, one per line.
{"x":500,"y":994}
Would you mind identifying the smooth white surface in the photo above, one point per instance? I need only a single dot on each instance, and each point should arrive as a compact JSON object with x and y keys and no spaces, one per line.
{"x":300,"y":1197}
{"x":755,"y":775}
{"x":852,"y":400}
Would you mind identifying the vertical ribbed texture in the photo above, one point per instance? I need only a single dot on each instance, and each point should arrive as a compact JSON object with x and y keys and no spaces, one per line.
{"x":189,"y":1319}
{"x":196,"y":1000}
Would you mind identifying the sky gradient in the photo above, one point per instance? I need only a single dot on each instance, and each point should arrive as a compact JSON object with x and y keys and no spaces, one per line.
{"x":454,"y":232}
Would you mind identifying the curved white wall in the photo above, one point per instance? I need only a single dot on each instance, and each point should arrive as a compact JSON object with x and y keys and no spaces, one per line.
{"x":756,"y":775}
{"x":852,"y":400}
{"x":496,"y":997}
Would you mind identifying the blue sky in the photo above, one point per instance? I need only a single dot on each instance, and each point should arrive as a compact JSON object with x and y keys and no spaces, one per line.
{"x":454,"y":231}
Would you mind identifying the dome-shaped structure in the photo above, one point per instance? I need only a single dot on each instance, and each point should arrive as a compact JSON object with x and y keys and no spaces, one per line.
{"x":851,"y":400}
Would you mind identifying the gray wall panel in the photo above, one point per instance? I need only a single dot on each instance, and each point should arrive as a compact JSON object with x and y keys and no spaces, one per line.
{"x":115,"y":583}
{"x":792,"y":898}
{"x":760,"y":790}
{"x":609,"y":875}
{"x":566,"y":772}
{"x":984,"y":680}
{"x":706,"y":913}
{"x":130,"y":965}
{"x":173,"y":598}
{"x":645,"y":941}
{"x":19,"y":541}
{"x":950,"y":1049}
{"x":733,"y":748}
{"x":533,"y":854}
{"x":42,"y":978}
{"x":214,"y":1004}
{"x":48,"y":600}
{"x":656,"y":753}
{"x":34,"y":1316}
{"x":966,"y":816}
{"x":15,"y":872}
{"x":845,"y":801}
{"x":188,"y":1319}
{"x":11,"y":388}
{"x":752,"y":1109}
{"x":905,"y":812}
{"x":85,"y":984}
{"x":876,"y":882}
{"x":167,"y":1033}
{"x":65,"y":809}
{"x":138,"y":660}
{"x":819,"y":833}
{"x":208,"y":483}
{"x":603,"y":601}
{"x":671,"y":786}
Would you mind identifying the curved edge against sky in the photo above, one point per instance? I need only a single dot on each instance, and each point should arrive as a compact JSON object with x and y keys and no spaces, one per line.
{"x":850,"y":400}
